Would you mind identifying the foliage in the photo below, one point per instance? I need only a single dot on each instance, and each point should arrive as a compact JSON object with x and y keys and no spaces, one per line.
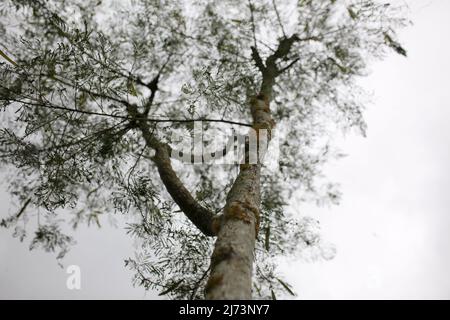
{"x":82,"y":67}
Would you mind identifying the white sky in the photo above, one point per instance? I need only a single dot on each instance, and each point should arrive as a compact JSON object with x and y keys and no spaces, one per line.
{"x":391,"y":230}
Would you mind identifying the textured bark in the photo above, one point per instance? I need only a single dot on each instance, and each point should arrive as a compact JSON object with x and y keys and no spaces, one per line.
{"x":232,"y":259}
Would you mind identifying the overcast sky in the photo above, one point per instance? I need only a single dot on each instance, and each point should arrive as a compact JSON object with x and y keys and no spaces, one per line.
{"x":391,"y":229}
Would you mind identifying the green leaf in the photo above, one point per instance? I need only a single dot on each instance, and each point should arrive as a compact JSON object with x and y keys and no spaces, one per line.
{"x":82,"y":100}
{"x":51,"y":69}
{"x":352,"y":13}
{"x":286,"y":286}
{"x":8,"y":58}
{"x":273,"y":295}
{"x":131,"y":88}
{"x":394,"y":45}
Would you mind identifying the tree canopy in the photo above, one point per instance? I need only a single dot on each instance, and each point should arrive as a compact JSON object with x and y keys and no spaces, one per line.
{"x":91,"y":89}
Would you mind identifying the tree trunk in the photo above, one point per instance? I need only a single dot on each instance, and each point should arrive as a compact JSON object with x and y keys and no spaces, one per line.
{"x":232,"y":259}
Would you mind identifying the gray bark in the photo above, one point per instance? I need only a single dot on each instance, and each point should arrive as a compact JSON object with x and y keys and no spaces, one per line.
{"x":232,"y":259}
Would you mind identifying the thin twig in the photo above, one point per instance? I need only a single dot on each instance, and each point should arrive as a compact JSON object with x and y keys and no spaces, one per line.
{"x":252,"y":19}
{"x":130,"y":118}
{"x":288,"y":66}
{"x":278,"y":18}
{"x":8,"y":58}
{"x":22,"y":210}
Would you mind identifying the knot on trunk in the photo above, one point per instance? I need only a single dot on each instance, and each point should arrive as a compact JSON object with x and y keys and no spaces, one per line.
{"x":221,"y":254}
{"x":213,"y":281}
{"x":244,"y":211}
{"x":259,"y":107}
{"x":216,"y":223}
{"x":260,"y":110}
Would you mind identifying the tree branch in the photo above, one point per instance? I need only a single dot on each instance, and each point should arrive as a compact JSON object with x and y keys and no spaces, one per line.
{"x":44,"y":104}
{"x":24,"y":206}
{"x":200,"y":216}
{"x":288,"y":66}
{"x":257,"y":58}
{"x":278,"y":18}
{"x":153,"y":86}
{"x":272,"y":71}
{"x":252,"y":20}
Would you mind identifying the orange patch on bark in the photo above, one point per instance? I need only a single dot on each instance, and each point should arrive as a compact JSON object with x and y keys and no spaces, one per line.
{"x":213,"y":281}
{"x":243,"y":211}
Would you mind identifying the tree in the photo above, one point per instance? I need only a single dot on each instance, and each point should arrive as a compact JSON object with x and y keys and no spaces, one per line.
{"x":97,"y":94}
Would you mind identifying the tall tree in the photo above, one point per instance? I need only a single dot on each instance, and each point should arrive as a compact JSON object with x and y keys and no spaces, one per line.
{"x":99,"y":96}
